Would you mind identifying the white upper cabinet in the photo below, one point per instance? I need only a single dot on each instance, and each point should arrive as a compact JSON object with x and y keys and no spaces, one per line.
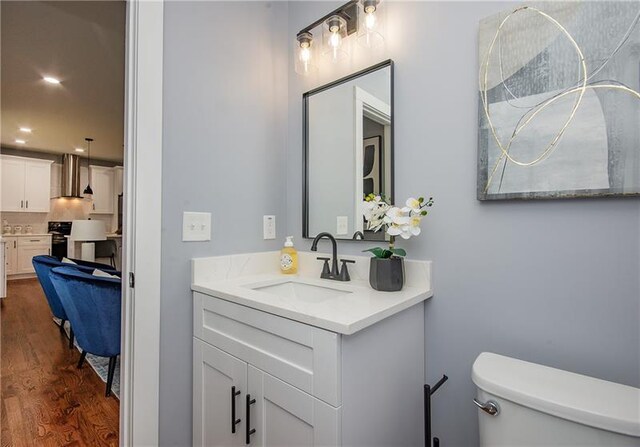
{"x":25,"y":184}
{"x":12,"y":184}
{"x":102,"y":184}
{"x":37,"y":186}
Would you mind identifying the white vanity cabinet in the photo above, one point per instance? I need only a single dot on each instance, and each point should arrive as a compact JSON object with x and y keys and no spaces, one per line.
{"x":281,"y":382}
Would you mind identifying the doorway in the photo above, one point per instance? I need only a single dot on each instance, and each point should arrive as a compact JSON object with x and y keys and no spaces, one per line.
{"x":138,"y":215}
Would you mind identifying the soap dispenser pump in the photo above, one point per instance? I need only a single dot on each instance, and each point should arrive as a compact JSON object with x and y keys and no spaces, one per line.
{"x":288,"y":258}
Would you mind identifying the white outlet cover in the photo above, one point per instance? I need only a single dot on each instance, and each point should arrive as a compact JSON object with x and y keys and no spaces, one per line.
{"x":196,"y":226}
{"x":342,"y":225}
{"x":269,"y":227}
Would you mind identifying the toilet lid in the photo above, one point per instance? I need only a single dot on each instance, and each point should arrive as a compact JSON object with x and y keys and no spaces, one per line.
{"x":586,"y":400}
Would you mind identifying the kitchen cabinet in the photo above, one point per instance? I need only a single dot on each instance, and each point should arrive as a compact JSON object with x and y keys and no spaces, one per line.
{"x":26,"y":184}
{"x":11,"y":254}
{"x":264,"y":380}
{"x":19,"y":250}
{"x":102,"y":184}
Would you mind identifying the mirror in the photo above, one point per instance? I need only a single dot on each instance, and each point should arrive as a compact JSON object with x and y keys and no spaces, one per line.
{"x":348,"y":151}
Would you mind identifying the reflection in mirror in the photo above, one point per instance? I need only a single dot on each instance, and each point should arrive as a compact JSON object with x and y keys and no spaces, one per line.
{"x":348,"y":151}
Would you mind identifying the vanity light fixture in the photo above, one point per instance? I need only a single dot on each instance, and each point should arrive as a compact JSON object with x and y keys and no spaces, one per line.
{"x":333,"y":31}
{"x":19,"y":141}
{"x":305,"y":63}
{"x":356,"y":16}
{"x":24,"y":129}
{"x":88,"y":189}
{"x":369,"y":34}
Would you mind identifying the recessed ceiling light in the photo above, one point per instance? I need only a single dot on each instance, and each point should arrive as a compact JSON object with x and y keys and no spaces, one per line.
{"x":25,"y":130}
{"x":20,"y":141}
{"x":51,"y":80}
{"x":79,"y":149}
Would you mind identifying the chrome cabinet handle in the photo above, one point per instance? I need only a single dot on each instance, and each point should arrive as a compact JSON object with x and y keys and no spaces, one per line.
{"x":490,"y":407}
{"x":22,"y":204}
{"x":27,"y":204}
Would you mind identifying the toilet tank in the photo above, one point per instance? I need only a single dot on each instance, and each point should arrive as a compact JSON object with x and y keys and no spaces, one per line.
{"x":542,"y":406}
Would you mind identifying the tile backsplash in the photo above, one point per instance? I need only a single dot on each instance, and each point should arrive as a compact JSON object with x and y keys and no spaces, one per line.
{"x":61,"y":210}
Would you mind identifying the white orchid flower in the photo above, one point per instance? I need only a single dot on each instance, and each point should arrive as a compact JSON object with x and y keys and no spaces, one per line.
{"x":398,"y":216}
{"x":414,"y":225}
{"x":414,"y":204}
{"x":394,"y":230}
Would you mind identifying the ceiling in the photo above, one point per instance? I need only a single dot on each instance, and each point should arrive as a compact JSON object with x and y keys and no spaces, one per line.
{"x":81,"y":43}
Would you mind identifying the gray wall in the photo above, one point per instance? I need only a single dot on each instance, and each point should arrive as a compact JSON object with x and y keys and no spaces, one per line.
{"x":225,"y":83}
{"x":552,"y":282}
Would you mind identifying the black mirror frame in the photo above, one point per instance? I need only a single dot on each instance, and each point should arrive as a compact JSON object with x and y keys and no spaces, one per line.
{"x":305,"y":138}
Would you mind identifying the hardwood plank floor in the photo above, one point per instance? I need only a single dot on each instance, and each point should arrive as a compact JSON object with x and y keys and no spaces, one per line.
{"x":46,"y":400}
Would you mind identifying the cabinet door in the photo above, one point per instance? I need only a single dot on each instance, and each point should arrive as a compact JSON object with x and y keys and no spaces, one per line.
{"x":11,"y":255}
{"x":25,"y":254}
{"x":12,"y":184}
{"x":285,"y":416}
{"x":102,"y":186}
{"x":37,"y":186}
{"x":216,"y":377}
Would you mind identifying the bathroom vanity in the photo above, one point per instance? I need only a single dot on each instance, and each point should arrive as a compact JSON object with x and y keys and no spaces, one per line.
{"x":302,"y":361}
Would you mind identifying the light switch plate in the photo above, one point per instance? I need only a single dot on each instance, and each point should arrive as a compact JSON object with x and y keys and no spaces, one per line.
{"x":269,"y":227}
{"x":342,"y":225}
{"x":196,"y":226}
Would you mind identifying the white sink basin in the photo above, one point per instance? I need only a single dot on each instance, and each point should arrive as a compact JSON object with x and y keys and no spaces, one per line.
{"x":300,"y":291}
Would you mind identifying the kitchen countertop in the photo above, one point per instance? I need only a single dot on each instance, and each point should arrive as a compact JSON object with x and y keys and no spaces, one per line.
{"x":26,"y":235}
{"x":354,"y":306}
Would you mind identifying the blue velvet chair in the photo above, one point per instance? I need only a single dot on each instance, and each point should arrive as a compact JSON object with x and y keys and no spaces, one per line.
{"x":43,"y":265}
{"x":93,"y":306}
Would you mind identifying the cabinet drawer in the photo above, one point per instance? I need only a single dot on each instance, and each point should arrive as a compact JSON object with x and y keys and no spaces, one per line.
{"x":27,"y":241}
{"x":301,"y":355}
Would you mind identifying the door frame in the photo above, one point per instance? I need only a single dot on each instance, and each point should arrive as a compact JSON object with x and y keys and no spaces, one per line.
{"x":140,"y":378}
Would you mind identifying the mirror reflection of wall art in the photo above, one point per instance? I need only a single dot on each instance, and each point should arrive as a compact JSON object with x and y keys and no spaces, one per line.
{"x":372,"y":175}
{"x":559,"y":108}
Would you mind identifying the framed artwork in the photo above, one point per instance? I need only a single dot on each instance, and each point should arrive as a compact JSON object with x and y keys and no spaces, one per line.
{"x":558,"y":107}
{"x":373,"y":169}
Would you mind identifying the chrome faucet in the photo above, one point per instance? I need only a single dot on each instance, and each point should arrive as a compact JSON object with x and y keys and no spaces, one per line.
{"x":332,"y":273}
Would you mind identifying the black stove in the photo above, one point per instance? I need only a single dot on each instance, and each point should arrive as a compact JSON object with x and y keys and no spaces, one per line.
{"x":58,"y":231}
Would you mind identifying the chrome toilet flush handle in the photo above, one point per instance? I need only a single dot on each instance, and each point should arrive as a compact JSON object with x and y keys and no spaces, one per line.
{"x":490,"y":407}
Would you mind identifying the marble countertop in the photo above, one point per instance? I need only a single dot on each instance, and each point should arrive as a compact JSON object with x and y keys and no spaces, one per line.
{"x":26,"y":235}
{"x":353,"y":306}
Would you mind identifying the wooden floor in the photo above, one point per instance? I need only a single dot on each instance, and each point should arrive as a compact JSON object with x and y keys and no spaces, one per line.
{"x":46,"y":400}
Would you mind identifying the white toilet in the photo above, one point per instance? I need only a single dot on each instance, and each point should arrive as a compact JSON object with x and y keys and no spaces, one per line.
{"x":524,"y":404}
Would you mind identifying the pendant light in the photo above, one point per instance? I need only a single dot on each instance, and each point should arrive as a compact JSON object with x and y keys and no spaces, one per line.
{"x":88,"y":189}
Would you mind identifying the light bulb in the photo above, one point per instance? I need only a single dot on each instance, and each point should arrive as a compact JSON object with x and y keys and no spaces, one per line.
{"x":370,"y":20}
{"x":305,"y":54}
{"x":335,"y":40}
{"x":305,"y":57}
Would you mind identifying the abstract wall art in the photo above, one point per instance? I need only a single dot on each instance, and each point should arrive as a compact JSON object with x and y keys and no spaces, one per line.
{"x":559,"y":101}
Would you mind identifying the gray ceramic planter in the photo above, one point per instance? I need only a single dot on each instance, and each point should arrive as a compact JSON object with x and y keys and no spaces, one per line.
{"x":386,"y":275}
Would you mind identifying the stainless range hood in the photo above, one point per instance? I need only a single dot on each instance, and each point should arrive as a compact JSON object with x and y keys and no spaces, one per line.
{"x":70,"y":176}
